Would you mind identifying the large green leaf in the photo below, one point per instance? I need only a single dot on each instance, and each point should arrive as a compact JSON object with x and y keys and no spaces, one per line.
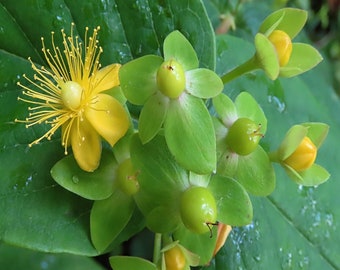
{"x":14,"y":258}
{"x":34,"y":211}
{"x":295,"y":225}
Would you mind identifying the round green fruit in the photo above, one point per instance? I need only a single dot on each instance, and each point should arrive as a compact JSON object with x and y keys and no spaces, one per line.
{"x":171,"y":79}
{"x":243,"y":136}
{"x":198,"y":209}
{"x":127,"y":177}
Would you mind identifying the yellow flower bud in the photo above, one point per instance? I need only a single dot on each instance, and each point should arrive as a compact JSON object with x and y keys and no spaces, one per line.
{"x":282,"y":44}
{"x":303,"y":157}
{"x":174,"y":259}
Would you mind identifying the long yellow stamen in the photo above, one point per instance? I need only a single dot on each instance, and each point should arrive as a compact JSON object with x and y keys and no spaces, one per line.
{"x":65,"y":65}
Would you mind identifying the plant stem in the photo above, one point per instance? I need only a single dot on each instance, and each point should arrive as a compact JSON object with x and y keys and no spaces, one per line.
{"x":246,"y":67}
{"x":157,"y":248}
{"x":273,"y":157}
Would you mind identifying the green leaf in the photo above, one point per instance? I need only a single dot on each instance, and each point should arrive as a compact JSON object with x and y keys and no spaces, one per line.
{"x":201,"y":244}
{"x":317,"y":132}
{"x":109,"y":217}
{"x":256,"y":173}
{"x":291,"y":141}
{"x":32,"y":202}
{"x":313,"y":176}
{"x":225,"y":109}
{"x":129,"y":262}
{"x":233,"y":204}
{"x":13,"y":258}
{"x":137,"y":78}
{"x":291,"y":21}
{"x":266,"y":56}
{"x":189,"y":134}
{"x":303,"y":58}
{"x":42,"y":215}
{"x":306,"y":215}
{"x":152,"y":116}
{"x":97,"y":185}
{"x":163,"y":219}
{"x":203,"y":83}
{"x":248,"y":107}
{"x":22,"y":47}
{"x":161,"y":181}
{"x":176,"y":46}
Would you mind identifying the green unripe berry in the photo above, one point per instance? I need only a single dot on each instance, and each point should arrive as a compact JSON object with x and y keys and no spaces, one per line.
{"x":243,"y":136}
{"x":71,"y":95}
{"x":198,"y":209}
{"x":127,"y":177}
{"x":171,"y":79}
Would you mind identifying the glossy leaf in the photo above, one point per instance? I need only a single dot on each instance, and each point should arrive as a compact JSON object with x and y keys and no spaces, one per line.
{"x":109,"y":217}
{"x":266,"y":56}
{"x":289,"y":20}
{"x":23,"y":23}
{"x":137,"y":78}
{"x":189,"y":134}
{"x":291,"y":141}
{"x":307,"y":215}
{"x":248,"y":107}
{"x":303,"y":58}
{"x":225,"y":109}
{"x":203,"y":83}
{"x":177,"y":47}
{"x":129,"y":262}
{"x":317,"y":132}
{"x":93,"y":186}
{"x":13,"y":258}
{"x":152,"y":116}
{"x":256,"y":173}
{"x":201,"y":244}
{"x":161,"y":182}
{"x":233,"y":203}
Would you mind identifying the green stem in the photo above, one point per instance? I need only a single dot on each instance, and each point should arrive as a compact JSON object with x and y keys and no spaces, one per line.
{"x":157,"y":248}
{"x":246,"y":67}
{"x":273,"y":156}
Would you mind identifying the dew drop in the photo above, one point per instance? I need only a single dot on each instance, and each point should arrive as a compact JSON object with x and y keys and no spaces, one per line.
{"x":75,"y":179}
{"x":279,"y":104}
{"x":29,"y":180}
{"x":257,"y":258}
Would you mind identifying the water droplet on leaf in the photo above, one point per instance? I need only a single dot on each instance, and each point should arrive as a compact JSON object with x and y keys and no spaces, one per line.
{"x":75,"y":179}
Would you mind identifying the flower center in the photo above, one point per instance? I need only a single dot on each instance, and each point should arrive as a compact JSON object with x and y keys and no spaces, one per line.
{"x":171,"y":78}
{"x":71,"y":95}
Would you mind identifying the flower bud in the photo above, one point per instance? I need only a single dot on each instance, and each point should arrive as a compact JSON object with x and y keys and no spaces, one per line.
{"x":282,"y":44}
{"x":303,"y":157}
{"x":174,"y":258}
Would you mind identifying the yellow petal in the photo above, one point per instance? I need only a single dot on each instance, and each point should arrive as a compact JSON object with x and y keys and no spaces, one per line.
{"x":86,"y":145}
{"x":108,"y":117}
{"x":106,"y":78}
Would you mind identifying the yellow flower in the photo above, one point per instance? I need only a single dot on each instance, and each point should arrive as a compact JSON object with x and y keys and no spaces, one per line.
{"x":303,"y":157}
{"x":69,"y":95}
